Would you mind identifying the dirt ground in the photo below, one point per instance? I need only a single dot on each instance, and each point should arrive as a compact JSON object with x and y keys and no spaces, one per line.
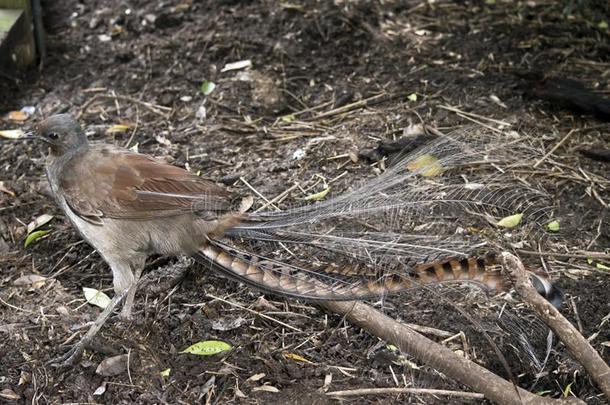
{"x":142,"y":64}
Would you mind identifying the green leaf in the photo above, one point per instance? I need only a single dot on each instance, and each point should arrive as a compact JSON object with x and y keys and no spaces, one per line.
{"x":317,"y":196}
{"x":34,"y":236}
{"x":96,"y":297}
{"x":567,"y":390}
{"x":207,"y":87}
{"x":207,"y":348}
{"x":553,"y":226}
{"x":425,"y":165}
{"x":603,"y":25}
{"x":412,"y":97}
{"x":165,"y":373}
{"x":288,"y":118}
{"x":602,"y":266}
{"x":598,"y":265}
{"x":117,"y":129}
{"x":510,"y":221}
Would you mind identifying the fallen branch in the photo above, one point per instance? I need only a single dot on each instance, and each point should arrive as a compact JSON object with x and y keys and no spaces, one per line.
{"x":414,"y":391}
{"x":565,"y":331}
{"x":438,"y":357}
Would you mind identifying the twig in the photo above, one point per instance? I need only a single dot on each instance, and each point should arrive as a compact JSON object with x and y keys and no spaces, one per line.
{"x":574,"y":341}
{"x":549,"y":153}
{"x":481,"y":123}
{"x":255,"y":312}
{"x":584,"y":255}
{"x":278,"y":197}
{"x":427,"y":330}
{"x":157,"y":109}
{"x":316,"y":107}
{"x":415,"y":391}
{"x":576,"y":315}
{"x":469,"y":114}
{"x":348,"y":107}
{"x":14,"y":307}
{"x":255,"y":191}
{"x":128,"y":366}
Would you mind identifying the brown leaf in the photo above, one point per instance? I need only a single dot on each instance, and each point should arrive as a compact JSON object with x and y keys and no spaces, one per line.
{"x":9,"y":394}
{"x":18,"y":116}
{"x":112,"y":366}
{"x":33,"y":280}
{"x":6,"y":190}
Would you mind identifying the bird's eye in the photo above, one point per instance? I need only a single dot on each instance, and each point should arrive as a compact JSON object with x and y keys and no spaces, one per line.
{"x":52,"y":135}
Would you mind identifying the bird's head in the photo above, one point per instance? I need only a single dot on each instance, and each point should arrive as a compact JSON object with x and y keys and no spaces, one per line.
{"x":62,"y":133}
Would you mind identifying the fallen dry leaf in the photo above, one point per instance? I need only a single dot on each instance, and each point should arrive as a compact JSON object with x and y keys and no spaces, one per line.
{"x":256,"y":377}
{"x":267,"y":388}
{"x":38,"y":222}
{"x":237,"y":65}
{"x":34,"y":280}
{"x":18,"y":116}
{"x":6,"y":190}
{"x":112,"y":366}
{"x":12,"y":133}
{"x":9,"y":394}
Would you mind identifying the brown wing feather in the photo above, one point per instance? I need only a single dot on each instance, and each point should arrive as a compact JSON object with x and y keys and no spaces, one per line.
{"x":111,"y":182}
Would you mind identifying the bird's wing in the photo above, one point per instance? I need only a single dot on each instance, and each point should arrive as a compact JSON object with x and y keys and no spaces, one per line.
{"x":111,"y":182}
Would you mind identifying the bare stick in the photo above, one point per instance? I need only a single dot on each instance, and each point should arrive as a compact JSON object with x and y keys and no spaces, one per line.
{"x":157,"y":109}
{"x":348,"y":107}
{"x":567,"y":333}
{"x":255,"y":312}
{"x":414,"y":391}
{"x":436,"y":356}
{"x":278,"y":197}
{"x":584,"y":255}
{"x":255,"y":191}
{"x":469,"y":114}
{"x":549,"y":153}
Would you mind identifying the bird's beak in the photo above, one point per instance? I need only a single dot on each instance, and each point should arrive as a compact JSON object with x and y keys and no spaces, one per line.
{"x":31,"y":135}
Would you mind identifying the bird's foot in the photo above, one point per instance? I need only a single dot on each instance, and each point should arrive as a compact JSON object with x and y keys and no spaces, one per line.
{"x":70,"y":357}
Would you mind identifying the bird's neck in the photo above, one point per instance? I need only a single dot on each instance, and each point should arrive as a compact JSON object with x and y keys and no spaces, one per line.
{"x":59,"y":153}
{"x":57,"y":159}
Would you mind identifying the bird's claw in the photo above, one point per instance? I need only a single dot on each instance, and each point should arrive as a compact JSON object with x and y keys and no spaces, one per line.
{"x":68,"y":358}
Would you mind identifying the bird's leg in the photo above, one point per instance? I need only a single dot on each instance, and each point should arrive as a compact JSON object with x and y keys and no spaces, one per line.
{"x":77,"y":350}
{"x":135,"y":271}
{"x":130,"y":294}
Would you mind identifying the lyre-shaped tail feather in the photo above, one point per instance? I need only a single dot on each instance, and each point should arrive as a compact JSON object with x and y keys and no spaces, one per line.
{"x":323,"y":284}
{"x":395,"y":231}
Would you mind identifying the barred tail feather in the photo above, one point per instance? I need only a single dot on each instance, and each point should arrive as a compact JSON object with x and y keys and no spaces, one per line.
{"x":323,"y":284}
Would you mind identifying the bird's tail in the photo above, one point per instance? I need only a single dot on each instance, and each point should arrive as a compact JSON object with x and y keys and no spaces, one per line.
{"x":333,"y":283}
{"x":435,"y":215}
